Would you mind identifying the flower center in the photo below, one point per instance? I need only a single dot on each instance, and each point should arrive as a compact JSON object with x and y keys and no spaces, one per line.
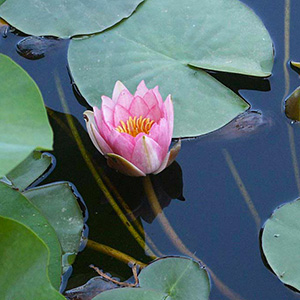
{"x":134,"y":126}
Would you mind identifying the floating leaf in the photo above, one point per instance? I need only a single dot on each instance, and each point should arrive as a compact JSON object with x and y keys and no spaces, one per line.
{"x":24,"y":124}
{"x":292,"y":105}
{"x":15,"y":206}
{"x":60,"y":206}
{"x":179,"y":278}
{"x":165,"y":43}
{"x":281,"y":243}
{"x":172,"y":278}
{"x":29,"y":170}
{"x":131,"y":294}
{"x":65,"y":18}
{"x":24,"y":263}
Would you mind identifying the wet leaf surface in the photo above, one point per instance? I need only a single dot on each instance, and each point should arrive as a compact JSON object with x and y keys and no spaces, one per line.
{"x":15,"y":206}
{"x":65,"y":18}
{"x":24,"y":264}
{"x":281,"y":242}
{"x":24,"y":124}
{"x":30,"y":169}
{"x":59,"y":205}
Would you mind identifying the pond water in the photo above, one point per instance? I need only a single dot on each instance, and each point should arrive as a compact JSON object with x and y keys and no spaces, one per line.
{"x":214,"y":221}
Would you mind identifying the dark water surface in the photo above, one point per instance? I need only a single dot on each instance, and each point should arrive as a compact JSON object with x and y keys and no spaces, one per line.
{"x":214,"y":221}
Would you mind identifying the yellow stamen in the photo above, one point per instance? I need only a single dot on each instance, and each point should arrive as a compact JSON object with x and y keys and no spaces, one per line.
{"x":134,"y":126}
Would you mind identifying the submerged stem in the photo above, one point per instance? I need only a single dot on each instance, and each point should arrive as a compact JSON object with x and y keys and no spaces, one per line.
{"x":114,"y":253}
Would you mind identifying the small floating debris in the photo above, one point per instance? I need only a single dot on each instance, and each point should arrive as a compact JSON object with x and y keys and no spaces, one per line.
{"x":244,"y":125}
{"x":35,"y":47}
{"x":292,"y":105}
{"x":4,"y":27}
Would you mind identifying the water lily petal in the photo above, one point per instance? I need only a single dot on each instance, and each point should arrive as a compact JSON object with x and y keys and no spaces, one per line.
{"x":108,"y":102}
{"x":97,"y":116}
{"x":96,"y":138}
{"x":107,"y":114}
{"x":104,"y":147}
{"x":125,"y":99}
{"x":147,"y":154}
{"x":121,"y":143}
{"x":138,"y":107}
{"x":160,"y":134}
{"x":120,"y":114}
{"x":174,"y":152}
{"x":141,"y":89}
{"x":158,"y":97}
{"x":170,"y":157}
{"x":170,"y":113}
{"x":154,"y":114}
{"x":119,"y":87}
{"x":122,"y":165}
{"x":164,"y":164}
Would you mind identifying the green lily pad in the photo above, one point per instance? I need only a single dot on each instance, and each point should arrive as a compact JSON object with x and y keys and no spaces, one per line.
{"x":59,"y":205}
{"x":172,"y":278}
{"x":15,"y":206}
{"x":166,"y":43}
{"x":65,"y":18}
{"x":24,"y":125}
{"x":179,"y":278}
{"x":24,"y":261}
{"x":29,"y":170}
{"x":281,"y":243}
{"x":131,"y":294}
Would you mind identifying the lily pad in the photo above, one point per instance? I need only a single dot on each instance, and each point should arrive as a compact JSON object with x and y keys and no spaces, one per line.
{"x":65,"y":18}
{"x":15,"y":206}
{"x":166,"y":43}
{"x":59,"y":205}
{"x":131,"y":294}
{"x":24,"y":124}
{"x":24,"y":264}
{"x":172,"y":278}
{"x":29,"y":170}
{"x":179,"y":278}
{"x":281,"y":243}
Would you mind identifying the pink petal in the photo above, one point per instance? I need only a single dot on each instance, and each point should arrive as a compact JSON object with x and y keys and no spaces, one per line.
{"x":107,"y":114}
{"x":141,"y":90}
{"x":96,"y":138}
{"x":160,"y":133}
{"x":97,"y":115}
{"x":124,"y":166}
{"x":170,"y":157}
{"x":104,"y":128}
{"x":119,"y":87}
{"x":121,"y":144}
{"x":100,"y":141}
{"x":174,"y":152}
{"x":125,"y":99}
{"x":154,"y":114}
{"x":120,"y":114}
{"x":158,"y":96}
{"x":138,"y":107}
{"x":170,"y":114}
{"x":164,"y":164}
{"x":147,"y":155}
{"x":108,"y":102}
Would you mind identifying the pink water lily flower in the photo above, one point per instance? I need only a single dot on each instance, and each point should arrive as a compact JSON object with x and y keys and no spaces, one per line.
{"x":134,"y":132}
